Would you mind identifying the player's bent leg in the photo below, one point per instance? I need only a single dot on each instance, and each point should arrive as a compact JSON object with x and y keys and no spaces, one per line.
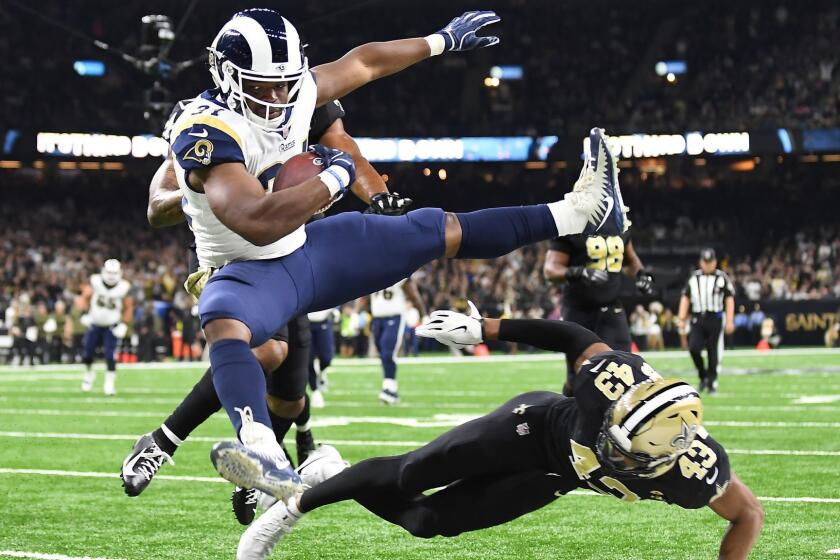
{"x":485,"y":501}
{"x":88,"y":349}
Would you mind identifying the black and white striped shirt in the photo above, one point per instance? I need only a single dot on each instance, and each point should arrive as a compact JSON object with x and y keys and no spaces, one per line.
{"x":707,"y":292}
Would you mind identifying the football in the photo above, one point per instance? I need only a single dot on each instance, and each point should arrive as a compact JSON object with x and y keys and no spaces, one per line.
{"x":296,"y":170}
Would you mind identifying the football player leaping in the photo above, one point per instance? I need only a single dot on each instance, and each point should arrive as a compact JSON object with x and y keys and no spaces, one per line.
{"x":628,"y":433}
{"x":268,"y":267}
{"x":108,"y":305}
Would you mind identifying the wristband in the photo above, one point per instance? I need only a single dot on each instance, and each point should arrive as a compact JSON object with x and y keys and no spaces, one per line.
{"x":437,"y":43}
{"x":335,"y":179}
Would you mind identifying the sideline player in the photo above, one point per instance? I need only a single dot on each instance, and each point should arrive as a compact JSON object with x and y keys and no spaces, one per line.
{"x":388,"y":308}
{"x":591,"y":268}
{"x":323,"y":351}
{"x":628,"y":433}
{"x":108,"y":306}
{"x":266,"y":266}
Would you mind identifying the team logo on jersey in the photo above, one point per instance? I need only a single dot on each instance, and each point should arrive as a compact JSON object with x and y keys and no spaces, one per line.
{"x":521,"y":409}
{"x":683,"y":441}
{"x":201,"y":152}
{"x":523,"y":429}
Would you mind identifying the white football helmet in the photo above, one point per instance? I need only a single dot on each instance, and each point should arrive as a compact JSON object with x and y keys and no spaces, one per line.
{"x":258,"y":45}
{"x":112,"y":272}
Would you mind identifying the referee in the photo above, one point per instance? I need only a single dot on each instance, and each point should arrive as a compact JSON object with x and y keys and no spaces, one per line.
{"x":710,"y":295}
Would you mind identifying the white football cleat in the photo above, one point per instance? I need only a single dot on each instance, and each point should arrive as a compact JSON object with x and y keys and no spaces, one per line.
{"x":323,"y":463}
{"x":259,"y":540}
{"x":87,"y":381}
{"x":110,"y":382}
{"x":258,"y":462}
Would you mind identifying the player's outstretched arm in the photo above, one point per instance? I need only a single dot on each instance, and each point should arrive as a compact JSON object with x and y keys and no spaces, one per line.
{"x":459,"y":330}
{"x":164,"y":207}
{"x":742,"y":509}
{"x":372,"y":61}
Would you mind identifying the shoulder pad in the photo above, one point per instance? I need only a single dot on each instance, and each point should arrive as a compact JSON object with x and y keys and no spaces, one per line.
{"x":203,"y":140}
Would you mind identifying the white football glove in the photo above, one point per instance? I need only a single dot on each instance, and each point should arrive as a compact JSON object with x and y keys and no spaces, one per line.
{"x":453,"y":329}
{"x":120,"y":330}
{"x":86,"y":320}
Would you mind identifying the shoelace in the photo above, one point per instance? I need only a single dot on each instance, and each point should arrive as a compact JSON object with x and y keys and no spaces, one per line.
{"x":251,"y":496}
{"x":150,"y":461}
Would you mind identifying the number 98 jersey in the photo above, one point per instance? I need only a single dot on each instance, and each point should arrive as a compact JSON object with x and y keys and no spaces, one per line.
{"x":597,"y":252}
{"x":106,"y":302}
{"x":697,"y":477}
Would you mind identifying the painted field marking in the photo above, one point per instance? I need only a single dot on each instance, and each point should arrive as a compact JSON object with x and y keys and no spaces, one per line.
{"x":365,"y":443}
{"x":214,"y":480}
{"x":43,"y":556}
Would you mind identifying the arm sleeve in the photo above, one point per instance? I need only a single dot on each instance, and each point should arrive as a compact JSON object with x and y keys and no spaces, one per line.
{"x":322,"y":119}
{"x":557,"y":336}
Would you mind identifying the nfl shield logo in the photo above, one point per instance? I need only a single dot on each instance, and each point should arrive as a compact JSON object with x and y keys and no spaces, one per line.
{"x":523,"y":429}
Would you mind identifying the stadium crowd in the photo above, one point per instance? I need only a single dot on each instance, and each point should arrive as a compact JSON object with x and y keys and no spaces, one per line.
{"x":71,"y":224}
{"x":752,"y":64}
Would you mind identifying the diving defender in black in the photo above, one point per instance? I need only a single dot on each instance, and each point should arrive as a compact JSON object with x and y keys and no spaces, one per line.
{"x":591,"y":268}
{"x":533,"y":449}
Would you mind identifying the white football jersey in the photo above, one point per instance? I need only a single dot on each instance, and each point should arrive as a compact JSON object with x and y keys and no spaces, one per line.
{"x":388,"y":302}
{"x":106,"y":303}
{"x":207,"y":133}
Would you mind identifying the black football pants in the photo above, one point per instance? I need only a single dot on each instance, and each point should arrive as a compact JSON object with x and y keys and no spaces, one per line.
{"x":492,"y":469}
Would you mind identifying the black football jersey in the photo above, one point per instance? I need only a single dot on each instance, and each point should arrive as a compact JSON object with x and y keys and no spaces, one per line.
{"x":698,"y":476}
{"x":593,"y":251}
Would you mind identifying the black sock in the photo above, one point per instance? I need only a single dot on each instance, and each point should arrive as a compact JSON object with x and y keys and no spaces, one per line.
{"x":199,"y":405}
{"x":305,"y":414}
{"x":372,"y":482}
{"x":280,"y":426}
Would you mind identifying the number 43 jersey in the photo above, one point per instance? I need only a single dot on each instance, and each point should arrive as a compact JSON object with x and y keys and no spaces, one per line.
{"x":598,"y":252}
{"x":698,"y":476}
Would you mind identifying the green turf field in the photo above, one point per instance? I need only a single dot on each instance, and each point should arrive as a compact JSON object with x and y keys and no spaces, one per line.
{"x":778,"y":415}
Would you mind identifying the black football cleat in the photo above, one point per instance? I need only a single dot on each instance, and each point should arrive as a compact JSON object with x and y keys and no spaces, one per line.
{"x":305,"y":444}
{"x":142,"y":464}
{"x":244,"y":502}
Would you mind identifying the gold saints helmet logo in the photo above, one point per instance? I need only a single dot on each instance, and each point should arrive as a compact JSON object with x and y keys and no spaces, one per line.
{"x":200,"y":152}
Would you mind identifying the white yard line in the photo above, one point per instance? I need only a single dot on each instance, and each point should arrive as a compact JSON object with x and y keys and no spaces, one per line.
{"x":368,"y":362}
{"x":363,"y":443}
{"x":43,"y":556}
{"x":833,"y":551}
{"x":436,"y":421}
{"x":82,"y":474}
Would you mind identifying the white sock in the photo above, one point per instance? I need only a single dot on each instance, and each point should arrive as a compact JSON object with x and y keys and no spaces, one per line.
{"x":304,"y":428}
{"x":569,"y":221}
{"x":389,"y":385}
{"x":170,"y":435}
{"x":292,"y":507}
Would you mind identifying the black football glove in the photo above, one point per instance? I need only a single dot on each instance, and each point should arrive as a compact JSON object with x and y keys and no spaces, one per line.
{"x":388,"y":204}
{"x":589,"y":276}
{"x":644,"y":282}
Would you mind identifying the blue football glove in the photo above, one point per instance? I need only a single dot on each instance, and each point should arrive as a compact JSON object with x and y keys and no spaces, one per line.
{"x":388,"y":204}
{"x":337,"y":163}
{"x":460,"y":33}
